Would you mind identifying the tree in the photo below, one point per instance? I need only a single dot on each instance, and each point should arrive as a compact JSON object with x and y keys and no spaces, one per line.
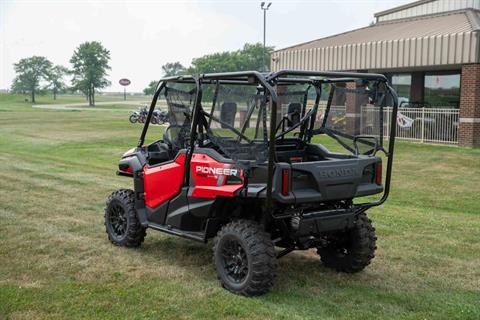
{"x":173,"y":69}
{"x":90,"y":65}
{"x":250,"y":57}
{"x":169,"y":69}
{"x":55,"y":77}
{"x":150,"y":90}
{"x":215,"y":62}
{"x":30,"y":71}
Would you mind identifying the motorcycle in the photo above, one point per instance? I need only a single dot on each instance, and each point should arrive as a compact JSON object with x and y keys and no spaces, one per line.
{"x":159,"y":117}
{"x":139,"y":116}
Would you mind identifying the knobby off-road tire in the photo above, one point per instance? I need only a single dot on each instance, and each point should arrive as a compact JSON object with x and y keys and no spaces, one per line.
{"x":133,"y":118}
{"x":244,"y":258}
{"x":351,"y":251}
{"x":121,"y":221}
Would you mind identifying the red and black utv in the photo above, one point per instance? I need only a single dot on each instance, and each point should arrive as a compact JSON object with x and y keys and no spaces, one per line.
{"x":264,"y":164}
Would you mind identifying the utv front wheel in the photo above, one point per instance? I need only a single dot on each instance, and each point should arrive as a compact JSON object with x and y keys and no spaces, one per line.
{"x":244,"y":258}
{"x":121,"y":222}
{"x":352,"y":250}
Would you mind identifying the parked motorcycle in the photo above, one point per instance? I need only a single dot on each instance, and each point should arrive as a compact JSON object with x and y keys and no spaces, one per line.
{"x":139,"y":116}
{"x":159,"y":117}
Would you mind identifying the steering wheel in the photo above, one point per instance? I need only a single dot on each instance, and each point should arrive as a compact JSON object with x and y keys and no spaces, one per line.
{"x":175,"y":142}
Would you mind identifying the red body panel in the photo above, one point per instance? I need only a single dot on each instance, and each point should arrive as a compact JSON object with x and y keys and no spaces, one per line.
{"x":163,"y":182}
{"x":210,"y":177}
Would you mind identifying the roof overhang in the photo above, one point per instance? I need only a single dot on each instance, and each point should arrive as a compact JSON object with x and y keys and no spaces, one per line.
{"x":443,"y":40}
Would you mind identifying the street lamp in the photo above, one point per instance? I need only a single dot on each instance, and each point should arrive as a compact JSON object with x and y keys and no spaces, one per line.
{"x":264,"y":8}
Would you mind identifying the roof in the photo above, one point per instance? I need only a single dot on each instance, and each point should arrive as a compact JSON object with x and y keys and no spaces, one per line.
{"x":442,"y":39}
{"x":419,"y":27}
{"x":426,"y":7}
{"x":402,"y":7}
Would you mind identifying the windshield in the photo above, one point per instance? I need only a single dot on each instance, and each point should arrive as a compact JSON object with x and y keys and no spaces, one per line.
{"x":175,"y":101}
{"x":180,"y":99}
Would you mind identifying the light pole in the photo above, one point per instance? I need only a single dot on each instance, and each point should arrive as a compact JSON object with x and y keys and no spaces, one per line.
{"x":264,"y":8}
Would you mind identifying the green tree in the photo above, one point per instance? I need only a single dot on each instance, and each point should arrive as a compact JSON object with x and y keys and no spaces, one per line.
{"x":250,"y":57}
{"x":173,"y":69}
{"x":150,"y":90}
{"x":90,"y":65}
{"x":30,"y":72}
{"x":169,"y":69}
{"x":215,"y":62}
{"x":56,"y":78}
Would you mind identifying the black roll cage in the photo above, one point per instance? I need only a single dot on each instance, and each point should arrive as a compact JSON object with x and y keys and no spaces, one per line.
{"x":268,"y":81}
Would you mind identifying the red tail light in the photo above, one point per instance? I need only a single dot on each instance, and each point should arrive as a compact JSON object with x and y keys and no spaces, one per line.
{"x":285,"y":182}
{"x":125,"y":168}
{"x":378,"y":173}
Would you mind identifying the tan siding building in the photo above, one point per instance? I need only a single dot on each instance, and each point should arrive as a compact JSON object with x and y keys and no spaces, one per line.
{"x":430,"y":49}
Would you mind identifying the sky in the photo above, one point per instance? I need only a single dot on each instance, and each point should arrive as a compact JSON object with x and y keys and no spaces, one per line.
{"x":144,"y":35}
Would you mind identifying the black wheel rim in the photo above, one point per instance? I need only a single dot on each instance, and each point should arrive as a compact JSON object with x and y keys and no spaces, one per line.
{"x":117,"y":220}
{"x":341,"y":246}
{"x":235,"y":262}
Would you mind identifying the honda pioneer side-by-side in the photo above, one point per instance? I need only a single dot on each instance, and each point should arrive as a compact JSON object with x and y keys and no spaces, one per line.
{"x":263,"y":164}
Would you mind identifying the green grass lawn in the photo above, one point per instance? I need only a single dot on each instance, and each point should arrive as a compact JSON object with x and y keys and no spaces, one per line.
{"x":59,"y":166}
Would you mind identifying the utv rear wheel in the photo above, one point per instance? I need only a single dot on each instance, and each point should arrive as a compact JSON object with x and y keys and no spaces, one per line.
{"x":121,"y":222}
{"x":244,"y":258}
{"x":352,"y":250}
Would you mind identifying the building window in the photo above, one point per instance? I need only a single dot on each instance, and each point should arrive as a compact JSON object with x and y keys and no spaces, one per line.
{"x":402,"y":83}
{"x":442,"y":89}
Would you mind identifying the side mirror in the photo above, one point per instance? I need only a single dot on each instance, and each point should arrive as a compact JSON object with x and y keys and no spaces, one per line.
{"x":369,"y":145}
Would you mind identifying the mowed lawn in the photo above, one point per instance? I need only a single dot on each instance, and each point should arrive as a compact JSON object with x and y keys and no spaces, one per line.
{"x":58,"y":167}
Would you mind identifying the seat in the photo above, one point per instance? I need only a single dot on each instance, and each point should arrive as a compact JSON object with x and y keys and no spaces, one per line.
{"x":294,"y":111}
{"x":228,"y":111}
{"x":159,"y":152}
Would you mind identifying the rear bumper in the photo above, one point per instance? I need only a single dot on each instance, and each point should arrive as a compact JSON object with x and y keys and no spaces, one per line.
{"x":330,"y":180}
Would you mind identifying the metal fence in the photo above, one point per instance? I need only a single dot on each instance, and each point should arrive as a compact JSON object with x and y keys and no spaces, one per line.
{"x":430,"y":125}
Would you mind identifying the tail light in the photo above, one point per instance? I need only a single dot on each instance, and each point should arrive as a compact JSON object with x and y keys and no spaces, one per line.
{"x":285,"y":182}
{"x":378,"y":173}
{"x":125,"y":170}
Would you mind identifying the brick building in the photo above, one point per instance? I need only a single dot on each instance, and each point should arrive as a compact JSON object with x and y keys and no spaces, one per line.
{"x":429,"y":49}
